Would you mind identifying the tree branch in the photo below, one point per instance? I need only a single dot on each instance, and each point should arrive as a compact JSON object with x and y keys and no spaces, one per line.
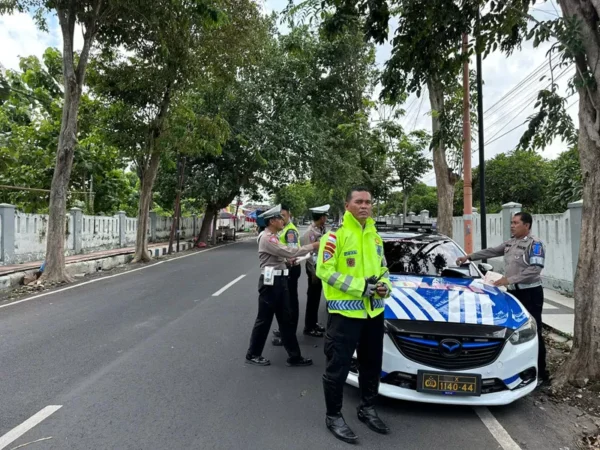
{"x":88,"y":39}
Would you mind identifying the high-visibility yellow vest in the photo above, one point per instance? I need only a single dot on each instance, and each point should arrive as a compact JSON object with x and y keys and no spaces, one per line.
{"x":347,"y":257}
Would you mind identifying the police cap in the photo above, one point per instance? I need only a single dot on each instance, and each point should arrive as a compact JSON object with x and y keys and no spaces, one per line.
{"x":320,"y":209}
{"x":272,"y":213}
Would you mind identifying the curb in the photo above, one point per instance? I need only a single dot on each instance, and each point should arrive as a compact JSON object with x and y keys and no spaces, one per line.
{"x":92,"y":265}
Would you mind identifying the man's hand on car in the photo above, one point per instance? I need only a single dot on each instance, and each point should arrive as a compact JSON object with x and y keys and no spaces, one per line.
{"x":461,"y":260}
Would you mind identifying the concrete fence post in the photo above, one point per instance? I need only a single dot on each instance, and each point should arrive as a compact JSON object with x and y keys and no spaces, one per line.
{"x":122,"y":227}
{"x":7,"y":235}
{"x":575,"y":211}
{"x":508,"y":211}
{"x":153,"y":218}
{"x":424,"y":216}
{"x":411,"y":217}
{"x":77,"y":221}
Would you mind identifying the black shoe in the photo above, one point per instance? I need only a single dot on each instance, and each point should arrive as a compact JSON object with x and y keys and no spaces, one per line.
{"x":257,"y":360}
{"x":299,"y":362}
{"x":276,"y":333}
{"x":277,"y":342}
{"x":314,"y":333}
{"x":340,"y":429}
{"x":320,"y":328}
{"x":368,"y":415}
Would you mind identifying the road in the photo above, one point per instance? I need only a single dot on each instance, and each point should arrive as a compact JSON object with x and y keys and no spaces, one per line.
{"x":150,"y":359}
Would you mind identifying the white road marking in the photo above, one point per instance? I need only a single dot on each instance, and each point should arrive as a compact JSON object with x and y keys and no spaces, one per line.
{"x":227,"y":286}
{"x":496,"y":430}
{"x":113,"y":276}
{"x":34,"y":420}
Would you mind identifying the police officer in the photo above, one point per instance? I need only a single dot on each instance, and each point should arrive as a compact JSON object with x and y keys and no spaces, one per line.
{"x":351,"y":265}
{"x":524,"y":256}
{"x":289,"y":236}
{"x":315,"y":231}
{"x":273,"y":293}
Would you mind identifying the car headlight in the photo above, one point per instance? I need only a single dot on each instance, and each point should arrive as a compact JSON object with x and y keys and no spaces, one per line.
{"x":525,"y":333}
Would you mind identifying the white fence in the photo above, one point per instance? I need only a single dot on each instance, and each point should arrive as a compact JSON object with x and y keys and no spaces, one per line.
{"x":23,"y":236}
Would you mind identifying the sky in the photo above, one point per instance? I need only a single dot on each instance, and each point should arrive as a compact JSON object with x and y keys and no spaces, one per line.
{"x":503,"y":122}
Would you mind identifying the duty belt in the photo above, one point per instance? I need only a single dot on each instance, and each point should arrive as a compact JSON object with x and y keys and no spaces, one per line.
{"x":520,"y":286}
{"x":277,"y":273}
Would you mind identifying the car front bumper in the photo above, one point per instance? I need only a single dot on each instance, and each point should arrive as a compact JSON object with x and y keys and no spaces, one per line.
{"x":507,"y":386}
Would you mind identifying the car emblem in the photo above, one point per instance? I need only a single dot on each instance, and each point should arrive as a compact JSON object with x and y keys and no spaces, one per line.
{"x":450,"y":348}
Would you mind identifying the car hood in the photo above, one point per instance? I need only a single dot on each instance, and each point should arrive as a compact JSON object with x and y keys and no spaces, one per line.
{"x":442,"y":299}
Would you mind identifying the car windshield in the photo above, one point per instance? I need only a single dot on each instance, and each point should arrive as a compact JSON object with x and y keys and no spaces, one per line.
{"x":426,"y":257}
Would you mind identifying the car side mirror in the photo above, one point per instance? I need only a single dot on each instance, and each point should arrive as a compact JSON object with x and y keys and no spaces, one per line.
{"x":484,"y":267}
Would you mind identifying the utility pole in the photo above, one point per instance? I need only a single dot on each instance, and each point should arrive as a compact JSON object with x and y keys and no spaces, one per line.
{"x":482,"y":208}
{"x":468,"y":189}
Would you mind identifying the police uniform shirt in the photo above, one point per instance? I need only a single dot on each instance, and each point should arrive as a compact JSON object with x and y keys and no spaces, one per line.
{"x":313,"y":234}
{"x":523,"y":259}
{"x":272,"y":253}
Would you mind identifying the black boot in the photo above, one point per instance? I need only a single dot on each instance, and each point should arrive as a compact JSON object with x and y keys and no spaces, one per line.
{"x":340,"y":429}
{"x":369,"y":389}
{"x":334,"y":396}
{"x":368,"y":415}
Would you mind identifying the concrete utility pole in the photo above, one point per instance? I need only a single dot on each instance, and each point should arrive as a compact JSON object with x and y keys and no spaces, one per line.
{"x":468,"y":189}
{"x":482,"y":206}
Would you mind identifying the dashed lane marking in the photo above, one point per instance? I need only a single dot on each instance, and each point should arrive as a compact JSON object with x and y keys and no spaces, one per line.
{"x":34,"y":420}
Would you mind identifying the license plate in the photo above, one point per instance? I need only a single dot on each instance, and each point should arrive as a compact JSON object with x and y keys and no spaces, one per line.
{"x":447,"y":383}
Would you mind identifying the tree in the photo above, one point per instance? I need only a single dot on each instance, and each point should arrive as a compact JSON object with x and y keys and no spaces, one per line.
{"x":426,"y":51}
{"x":93,"y":16}
{"x":519,"y":176}
{"x":30,"y":126}
{"x":165,"y":54}
{"x":424,"y":197}
{"x":566,"y":181}
{"x":408,"y":159}
{"x":298,"y":197}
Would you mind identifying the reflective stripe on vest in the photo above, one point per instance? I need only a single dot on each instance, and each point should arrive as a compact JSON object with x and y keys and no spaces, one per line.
{"x":352,"y":305}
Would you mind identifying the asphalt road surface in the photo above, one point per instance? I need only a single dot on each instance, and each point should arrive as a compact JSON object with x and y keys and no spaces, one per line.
{"x":151,"y":359}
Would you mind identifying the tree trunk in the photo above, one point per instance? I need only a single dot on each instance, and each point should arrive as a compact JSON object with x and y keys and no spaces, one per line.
{"x":141,"y":240}
{"x":74,"y":76}
{"x":405,"y":204}
{"x":584,"y":361}
{"x":444,"y":178}
{"x":214,"y":229}
{"x":177,"y":208}
{"x":206,"y":225}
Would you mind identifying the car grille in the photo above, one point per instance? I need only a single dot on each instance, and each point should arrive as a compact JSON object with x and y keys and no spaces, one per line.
{"x":426,"y":350}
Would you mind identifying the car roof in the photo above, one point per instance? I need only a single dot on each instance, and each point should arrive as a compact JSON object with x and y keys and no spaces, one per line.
{"x":392,"y":235}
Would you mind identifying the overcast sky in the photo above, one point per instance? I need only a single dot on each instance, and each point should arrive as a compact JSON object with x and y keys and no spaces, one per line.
{"x":20,"y":37}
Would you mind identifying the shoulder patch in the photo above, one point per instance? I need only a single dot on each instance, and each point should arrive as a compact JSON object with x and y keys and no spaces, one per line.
{"x":327,"y":256}
{"x":312,"y":237}
{"x":273,"y":239}
{"x":537,"y":249}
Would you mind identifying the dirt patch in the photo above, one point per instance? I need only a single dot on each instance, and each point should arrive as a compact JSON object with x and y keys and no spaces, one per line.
{"x":583,"y":398}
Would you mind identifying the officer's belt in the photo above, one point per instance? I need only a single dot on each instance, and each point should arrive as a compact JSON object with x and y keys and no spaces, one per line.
{"x":277,"y":273}
{"x":520,"y":286}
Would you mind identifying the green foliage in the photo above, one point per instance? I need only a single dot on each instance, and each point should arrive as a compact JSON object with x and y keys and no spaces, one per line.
{"x":29,"y":129}
{"x":566,"y":184}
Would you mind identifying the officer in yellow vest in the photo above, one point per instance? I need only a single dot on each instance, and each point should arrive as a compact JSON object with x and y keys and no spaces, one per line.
{"x":290,"y":237}
{"x":352,"y":267}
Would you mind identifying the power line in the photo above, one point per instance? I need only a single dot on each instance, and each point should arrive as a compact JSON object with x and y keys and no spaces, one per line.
{"x":529,"y":101}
